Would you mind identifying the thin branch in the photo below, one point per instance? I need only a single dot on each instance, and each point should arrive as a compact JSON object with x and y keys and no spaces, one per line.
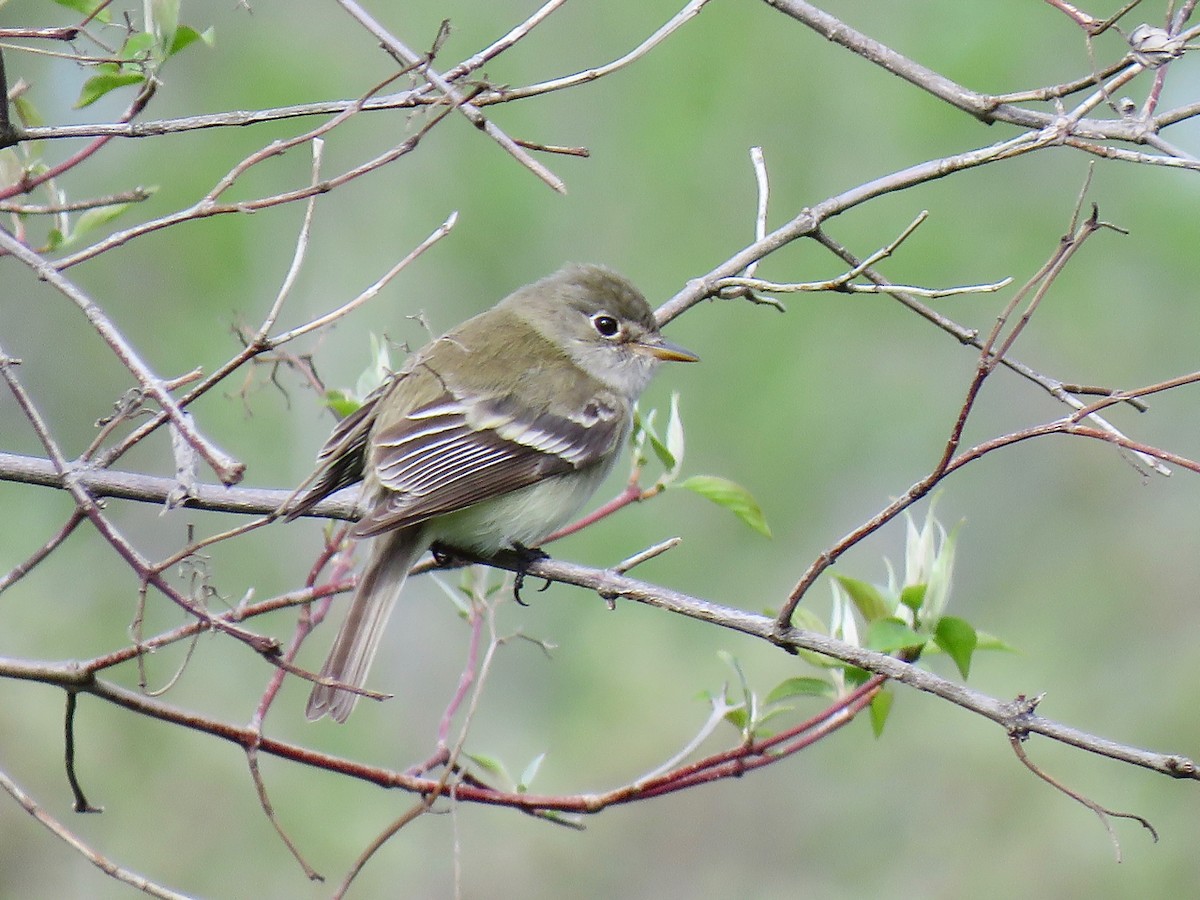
{"x":86,"y":504}
{"x":208,"y":205}
{"x":494,"y":49}
{"x":253,"y":350}
{"x":1103,"y":813}
{"x":264,"y":800}
{"x":646,"y":555}
{"x":103,"y":863}
{"x":408,"y":99}
{"x":833,"y":29}
{"x":136,"y":195}
{"x":60,"y":33}
{"x":226,"y":468}
{"x":758,"y":161}
{"x":503,"y":95}
{"x":369,"y":293}
{"x":453,"y":95}
{"x":191,"y":629}
{"x":21,"y":569}
{"x":81,"y":803}
{"x":318,"y":147}
{"x":808,"y":221}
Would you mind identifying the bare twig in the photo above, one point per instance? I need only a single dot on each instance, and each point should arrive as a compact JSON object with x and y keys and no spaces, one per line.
{"x":646,"y":555}
{"x":81,"y":803}
{"x":318,"y":146}
{"x":497,"y":47}
{"x":764,"y":196}
{"x":453,"y":95}
{"x":208,"y":205}
{"x":21,"y":569}
{"x":322,"y":321}
{"x":688,"y":12}
{"x":1102,"y":813}
{"x":103,"y":863}
{"x":136,"y":195}
{"x":227,"y":469}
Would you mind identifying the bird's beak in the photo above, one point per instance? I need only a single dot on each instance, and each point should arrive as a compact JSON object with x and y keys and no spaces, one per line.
{"x":656,"y":346}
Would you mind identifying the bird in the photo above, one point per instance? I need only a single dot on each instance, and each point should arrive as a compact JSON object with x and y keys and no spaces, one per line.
{"x":490,"y":437}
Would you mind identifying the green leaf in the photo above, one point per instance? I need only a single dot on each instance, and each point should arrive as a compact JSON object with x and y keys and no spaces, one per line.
{"x":881,"y":706}
{"x":913,"y":596}
{"x":759,"y":731}
{"x":637,"y":438}
{"x":490,"y":764}
{"x":732,"y":661}
{"x":665,"y":457}
{"x":645,"y":434}
{"x":957,"y":637}
{"x":99,"y":85}
{"x":854,"y":675}
{"x":985,"y":641}
{"x":11,"y":167}
{"x":743,"y":713}
{"x":162,"y":20}
{"x":27,"y":112}
{"x":868,"y":599}
{"x":95,"y":218}
{"x":800,"y":687}
{"x":138,"y":47}
{"x":341,"y":403}
{"x":87,"y":7}
{"x":805,"y":618}
{"x":886,"y":635}
{"x":186,"y":35}
{"x":731,"y":496}
{"x":739,"y":718}
{"x":530,"y":773}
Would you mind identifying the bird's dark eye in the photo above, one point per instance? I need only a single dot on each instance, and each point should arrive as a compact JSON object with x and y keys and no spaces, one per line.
{"x":606,"y":324}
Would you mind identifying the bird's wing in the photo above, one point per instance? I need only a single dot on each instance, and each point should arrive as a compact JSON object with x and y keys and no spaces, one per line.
{"x":340,"y":462}
{"x":452,"y":452}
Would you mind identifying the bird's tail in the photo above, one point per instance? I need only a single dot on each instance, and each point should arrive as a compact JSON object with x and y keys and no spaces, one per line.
{"x":392,"y":554}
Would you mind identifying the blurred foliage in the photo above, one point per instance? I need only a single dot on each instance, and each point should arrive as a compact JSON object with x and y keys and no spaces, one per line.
{"x":823,"y":414}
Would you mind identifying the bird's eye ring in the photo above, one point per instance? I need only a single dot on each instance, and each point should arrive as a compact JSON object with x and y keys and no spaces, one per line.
{"x":605,"y":324}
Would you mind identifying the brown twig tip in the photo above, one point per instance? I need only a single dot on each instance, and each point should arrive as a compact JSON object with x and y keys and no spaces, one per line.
{"x":552,"y":148}
{"x":1103,"y":813}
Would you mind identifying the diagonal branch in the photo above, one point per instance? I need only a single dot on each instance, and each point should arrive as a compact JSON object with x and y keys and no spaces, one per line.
{"x":106,"y":865}
{"x":453,"y":95}
{"x":226,"y":468}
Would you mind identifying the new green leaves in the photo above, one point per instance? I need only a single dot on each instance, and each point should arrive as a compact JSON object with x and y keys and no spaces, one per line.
{"x":143,"y":52}
{"x":731,"y":496}
{"x":669,"y":452}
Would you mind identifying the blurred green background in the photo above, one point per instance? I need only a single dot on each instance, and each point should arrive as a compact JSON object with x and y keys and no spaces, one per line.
{"x":824,"y":413}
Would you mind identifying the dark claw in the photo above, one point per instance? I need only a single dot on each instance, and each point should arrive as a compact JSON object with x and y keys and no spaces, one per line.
{"x":526,"y":556}
{"x":518,"y":583}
